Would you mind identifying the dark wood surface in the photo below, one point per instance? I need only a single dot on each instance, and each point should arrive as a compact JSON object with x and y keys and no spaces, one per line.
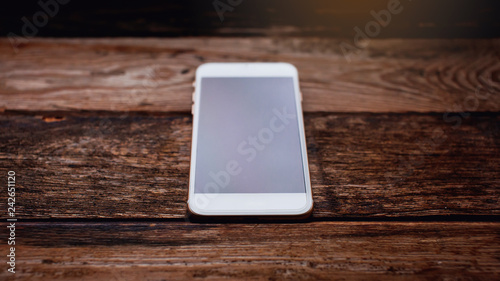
{"x":312,"y":251}
{"x":361,"y":165}
{"x":403,"y":145}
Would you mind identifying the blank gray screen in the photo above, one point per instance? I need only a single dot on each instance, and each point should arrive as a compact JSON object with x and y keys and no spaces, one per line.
{"x":248,"y":137}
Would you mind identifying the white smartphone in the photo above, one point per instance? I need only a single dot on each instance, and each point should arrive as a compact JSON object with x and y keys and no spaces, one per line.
{"x":248,"y":154}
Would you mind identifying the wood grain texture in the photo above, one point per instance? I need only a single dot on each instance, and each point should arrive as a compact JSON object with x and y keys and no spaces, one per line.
{"x":362,"y":165}
{"x":128,"y":74}
{"x":312,"y":251}
{"x":99,"y":134}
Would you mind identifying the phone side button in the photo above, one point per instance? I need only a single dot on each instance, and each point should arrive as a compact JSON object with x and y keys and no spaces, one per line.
{"x":192,"y":109}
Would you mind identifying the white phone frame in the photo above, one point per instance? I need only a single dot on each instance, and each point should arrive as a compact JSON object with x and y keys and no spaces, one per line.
{"x":249,"y":204}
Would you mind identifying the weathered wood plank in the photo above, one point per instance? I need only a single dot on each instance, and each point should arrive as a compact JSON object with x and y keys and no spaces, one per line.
{"x":362,"y":165}
{"x":156,"y":74}
{"x":319,"y":251}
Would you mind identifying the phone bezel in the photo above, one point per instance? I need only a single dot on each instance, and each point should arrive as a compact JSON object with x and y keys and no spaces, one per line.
{"x":261,"y":204}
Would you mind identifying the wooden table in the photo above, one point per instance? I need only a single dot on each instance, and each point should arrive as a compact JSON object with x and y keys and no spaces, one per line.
{"x":403,"y":143}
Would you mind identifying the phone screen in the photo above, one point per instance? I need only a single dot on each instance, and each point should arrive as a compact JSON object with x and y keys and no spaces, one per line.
{"x":248,"y":136}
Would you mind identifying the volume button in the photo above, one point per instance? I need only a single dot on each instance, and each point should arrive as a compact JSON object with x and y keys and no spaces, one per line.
{"x":192,"y":97}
